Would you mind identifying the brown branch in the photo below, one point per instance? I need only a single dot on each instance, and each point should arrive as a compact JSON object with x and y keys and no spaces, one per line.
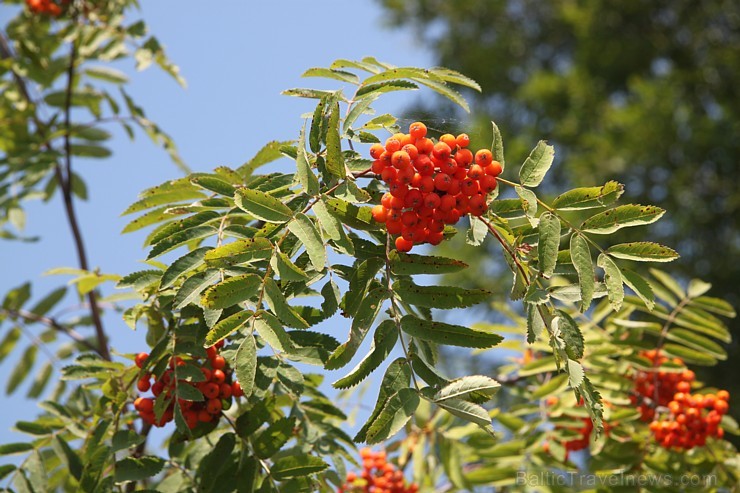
{"x":65,"y":182}
{"x":52,"y":324}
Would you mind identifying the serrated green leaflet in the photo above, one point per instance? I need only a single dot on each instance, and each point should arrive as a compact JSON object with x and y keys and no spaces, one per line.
{"x":448,"y":334}
{"x":333,"y":228}
{"x":213,"y":183}
{"x":334,"y":158}
{"x":296,"y":466}
{"x":497,"y":145}
{"x":621,"y":217}
{"x":136,"y":469}
{"x":537,"y":164}
{"x":15,"y":448}
{"x":262,"y":206}
{"x":442,"y":297}
{"x":170,"y":198}
{"x":304,"y":173}
{"x":272,"y":439}
{"x":305,"y":230}
{"x":279,"y":305}
{"x":403,"y":264}
{"x":469,"y":412}
{"x":384,"y":340}
{"x":271,"y":330}
{"x":613,"y":280}
{"x":245,"y":364}
{"x":371,"y":91}
{"x":269,"y":153}
{"x":397,"y":411}
{"x":549,"y":243}
{"x":331,"y":73}
{"x":463,"y":387}
{"x":366,"y":314}
{"x":183,"y":265}
{"x":286,"y":269}
{"x":231,"y":291}
{"x":239,"y":252}
{"x":589,"y":197}
{"x":690,"y":355}
{"x":564,"y":325}
{"x":351,"y":215}
{"x":529,"y":203}
{"x":22,"y":369}
{"x":317,"y":132}
{"x":695,"y":341}
{"x":227,"y":326}
{"x":359,"y":283}
{"x":575,"y":373}
{"x":455,"y":77}
{"x":444,"y":90}
{"x":181,"y":238}
{"x":580,"y":253}
{"x":640,"y":286}
{"x":396,"y":377}
{"x":643,"y":251}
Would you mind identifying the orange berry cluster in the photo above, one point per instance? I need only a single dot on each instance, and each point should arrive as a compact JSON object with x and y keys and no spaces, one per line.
{"x":47,"y":7}
{"x":430,"y":184}
{"x":692,"y":419}
{"x":655,"y":387}
{"x":378,"y":476}
{"x":218,"y":387}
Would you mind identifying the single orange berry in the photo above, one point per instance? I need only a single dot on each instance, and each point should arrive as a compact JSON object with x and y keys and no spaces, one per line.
{"x":418,"y":130}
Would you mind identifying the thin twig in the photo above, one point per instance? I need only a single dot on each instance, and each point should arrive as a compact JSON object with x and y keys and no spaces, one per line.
{"x":52,"y":324}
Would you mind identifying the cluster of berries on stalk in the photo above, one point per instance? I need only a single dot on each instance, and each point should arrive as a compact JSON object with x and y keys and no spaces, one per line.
{"x":691,"y":419}
{"x":686,"y":419}
{"x":217,"y":386}
{"x":49,"y":7}
{"x":430,"y":184}
{"x":656,"y":387}
{"x":378,"y":476}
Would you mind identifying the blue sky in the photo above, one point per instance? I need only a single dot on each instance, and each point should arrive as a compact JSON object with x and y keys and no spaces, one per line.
{"x":236,"y":59}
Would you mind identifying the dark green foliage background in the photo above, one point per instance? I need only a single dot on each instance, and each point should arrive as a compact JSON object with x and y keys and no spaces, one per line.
{"x":644,"y":92}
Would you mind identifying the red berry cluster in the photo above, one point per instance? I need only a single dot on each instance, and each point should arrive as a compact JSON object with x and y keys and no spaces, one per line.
{"x":218,"y":388}
{"x":581,"y":442}
{"x":692,"y":419}
{"x":49,"y":7}
{"x":656,"y":387}
{"x":378,"y":476}
{"x":430,"y":184}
